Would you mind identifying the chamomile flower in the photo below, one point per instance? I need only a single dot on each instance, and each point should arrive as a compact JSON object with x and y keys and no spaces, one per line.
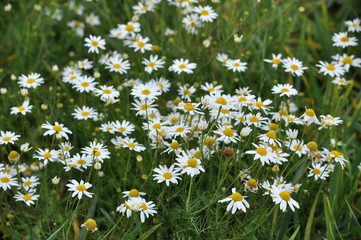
{"x":163,"y":84}
{"x":84,"y":113}
{"x":29,"y":182}
{"x":130,"y":29}
{"x":236,"y":65}
{"x":166,"y":174}
{"x":293,"y":66}
{"x":270,"y":137}
{"x":57,"y":128}
{"x":33,"y":80}
{"x":152,"y":64}
{"x":186,"y":92}
{"x":117,"y":64}
{"x":141,"y":45}
{"x":334,"y":70}
{"x":182,"y":65}
{"x":207,"y":14}
{"x":237,"y":202}
{"x":131,"y":144}
{"x":27,"y":198}
{"x":107,"y":127}
{"x":340,"y":81}
{"x":85,"y":84}
{"x":85,"y":64}
{"x":97,"y":150}
{"x":283,"y":197}
{"x":251,"y":185}
{"x":223,"y":58}
{"x":23,"y":108}
{"x":284,"y":90}
{"x":145,"y":208}
{"x":106,"y":93}
{"x":189,"y":107}
{"x":7,"y":181}
{"x":276,"y":60}
{"x":8,"y":137}
{"x":298,"y":147}
{"x":174,"y":146}
{"x":310,"y":117}
{"x":347,"y":61}
{"x":329,"y":121}
{"x":189,"y":165}
{"x":133,"y":193}
{"x":353,"y":25}
{"x":192,"y":23}
{"x":263,"y":153}
{"x":94,"y":43}
{"x":124,"y":127}
{"x":144,"y":107}
{"x":343,"y":40}
{"x":339,"y":158}
{"x":79,"y":188}
{"x":210,"y":88}
{"x":82,"y":161}
{"x":318,"y":172}
{"x":146,"y":92}
{"x":46,"y":155}
{"x":92,"y":20}
{"x":140,"y":9}
{"x":227,"y":134}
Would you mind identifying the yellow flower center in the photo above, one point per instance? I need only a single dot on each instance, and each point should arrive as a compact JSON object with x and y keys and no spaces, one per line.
{"x":344,"y":39}
{"x":228,"y":132}
{"x":316,"y":171}
{"x":95,"y":43}
{"x":347,"y":60}
{"x":204,"y":13}
{"x":144,"y":8}
{"x":144,"y":107}
{"x":273,"y":126}
{"x":182,"y":66}
{"x":156,"y":126}
{"x":73,"y":77}
{"x":27,"y":197}
{"x":81,"y":188}
{"x":81,"y":161}
{"x":271,"y":135}
{"x":85,"y":84}
{"x":221,"y":100}
{"x":107,"y":91}
{"x":90,"y":225}
{"x":30,"y":80}
{"x":254,"y":119}
{"x":309,"y":112}
{"x":210,"y":89}
{"x":259,"y":104}
{"x":283,"y":112}
{"x":13,"y":155}
{"x":84,"y":114}
{"x":312,"y":146}
{"x":47,"y":155}
{"x":27,"y":183}
{"x":242,"y":99}
{"x":236,"y":197}
{"x":174,"y":120}
{"x":330,"y":67}
{"x":189,"y":107}
{"x":141,"y":44}
{"x":225,"y":111}
{"x":151,"y":64}
{"x":261,"y":151}
{"x":209,"y":142}
{"x":6,"y":139}
{"x":57,"y":128}
{"x":5,"y":179}
{"x":276,"y":61}
{"x":145,"y":92}
{"x":134,"y":193}
{"x":116,"y":66}
{"x":285,"y":195}
{"x":129,"y":27}
{"x":131,"y":145}
{"x":174,"y":145}
{"x":285,"y":90}
{"x":297,"y":148}
{"x":294,"y":67}
{"x":192,"y":162}
{"x":335,"y":153}
{"x":167,"y":175}
{"x":252,"y":183}
{"x":180,"y":129}
{"x":21,"y":108}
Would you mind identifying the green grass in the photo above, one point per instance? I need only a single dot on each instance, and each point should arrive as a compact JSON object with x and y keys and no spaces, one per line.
{"x":33,"y":42}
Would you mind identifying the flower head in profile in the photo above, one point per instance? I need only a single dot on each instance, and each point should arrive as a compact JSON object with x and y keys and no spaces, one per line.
{"x":276,"y":60}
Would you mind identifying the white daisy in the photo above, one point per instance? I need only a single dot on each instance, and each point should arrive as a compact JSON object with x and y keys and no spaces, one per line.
{"x":79,"y":188}
{"x":27,"y":198}
{"x":7,"y":181}
{"x":284,"y":89}
{"x":353,"y":25}
{"x":153,"y":63}
{"x":334,"y":70}
{"x":23,"y":108}
{"x":293,"y":65}
{"x":283,"y":197}
{"x":8,"y":137}
{"x":166,"y":174}
{"x":33,"y":80}
{"x":187,"y":164}
{"x":276,"y":60}
{"x":343,"y":40}
{"x":182,"y":65}
{"x":57,"y":128}
{"x":236,"y":65}
{"x":237,"y":202}
{"x":84,"y":113}
{"x":207,"y":14}
{"x":94,"y":43}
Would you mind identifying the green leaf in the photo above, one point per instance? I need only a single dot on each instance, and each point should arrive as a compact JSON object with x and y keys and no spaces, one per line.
{"x":295,"y":233}
{"x":53,"y":236}
{"x":354,"y":217}
{"x":149,"y":232}
{"x":310,"y":218}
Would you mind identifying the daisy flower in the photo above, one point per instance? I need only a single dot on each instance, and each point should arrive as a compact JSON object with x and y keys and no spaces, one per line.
{"x":251,"y":185}
{"x":162,"y":83}
{"x":192,"y":23}
{"x":141,"y":45}
{"x":318,"y":172}
{"x":106,"y":93}
{"x":256,"y":119}
{"x":33,"y":80}
{"x":166,"y":174}
{"x":174,"y":146}
{"x":8,"y":137}
{"x":94,"y":43}
{"x":343,"y":40}
{"x":237,"y":202}
{"x":140,"y":9}
{"x":223,"y":58}
{"x":58,"y":128}
{"x":182,"y":65}
{"x":97,"y":150}
{"x":329,"y":121}
{"x":133,"y":193}
{"x":79,"y":188}
{"x":145,"y":91}
{"x":107,"y":127}
{"x":117,"y":64}
{"x":7,"y":181}
{"x":85,"y":64}
{"x":92,"y":20}
{"x":263,"y":153}
{"x":353,"y":25}
{"x":82,"y":161}
{"x":46,"y":155}
{"x":330,"y":69}
{"x":144,"y":107}
{"x":131,"y":144}
{"x":27,"y":198}
{"x":145,"y":208}
{"x":84,"y":113}
{"x":227,"y":134}
{"x":189,"y":107}
{"x":276,"y":60}
{"x":125,"y":127}
{"x":236,"y":65}
{"x":131,"y":28}
{"x":186,"y":92}
{"x":284,"y":89}
{"x":298,"y":147}
{"x":270,"y":137}
{"x":210,"y":88}
{"x":29,"y":182}
{"x":187,"y":164}
{"x":207,"y":14}
{"x":90,"y":225}
{"x":283,"y":197}
{"x":339,"y":157}
{"x":152,"y":64}
{"x":85,"y":83}
{"x":310,"y":117}
{"x":23,"y":108}
{"x":294,"y":66}
{"x":347,"y":61}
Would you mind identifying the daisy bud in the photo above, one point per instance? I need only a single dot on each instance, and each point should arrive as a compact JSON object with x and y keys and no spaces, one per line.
{"x":276,"y":169}
{"x":97,"y":75}
{"x":44,"y":106}
{"x":3,"y":91}
{"x":125,"y":56}
{"x":245,"y":131}
{"x":24,"y":92}
{"x":55,"y":68}
{"x":13,"y":77}
{"x":224,"y":189}
{"x":237,"y":39}
{"x":203,"y":125}
{"x":139,"y":158}
{"x":25,"y":147}
{"x":101,"y":174}
{"x":58,"y":136}
{"x":14,"y":156}
{"x":59,"y":105}
{"x":312,"y":146}
{"x":120,"y":88}
{"x":135,"y":18}
{"x":228,"y":152}
{"x":55,"y":180}
{"x":37,"y":7}
{"x":206,"y":43}
{"x":7,"y":7}
{"x":144,"y":177}
{"x":90,"y":225}
{"x":97,"y":166}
